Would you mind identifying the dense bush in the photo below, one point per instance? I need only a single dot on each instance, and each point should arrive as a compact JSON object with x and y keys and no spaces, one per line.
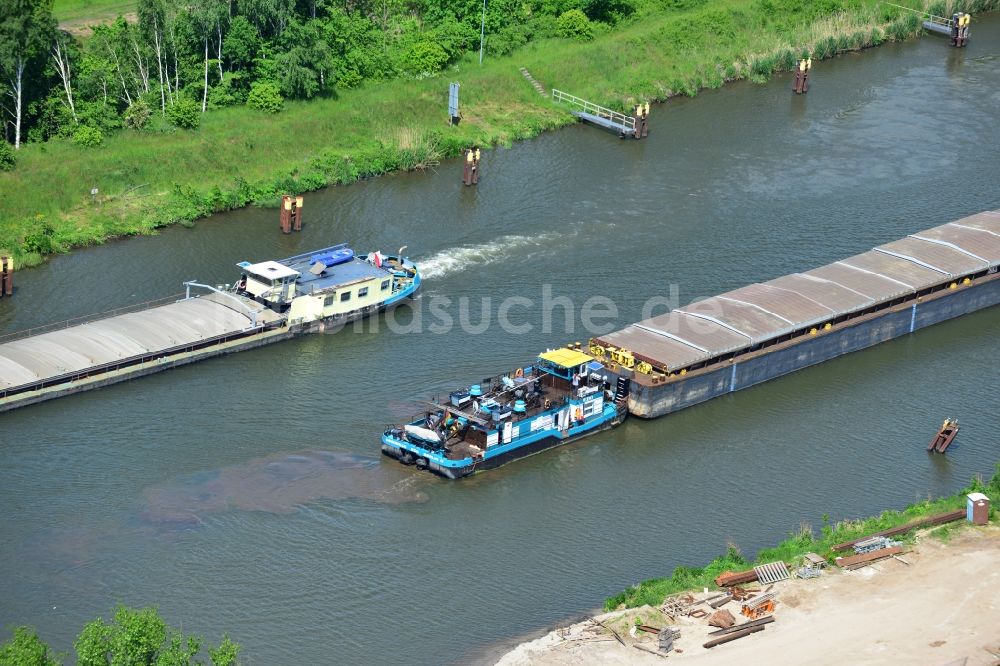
{"x":8,"y":160}
{"x":184,"y":113}
{"x":265,"y":96}
{"x":134,"y":637}
{"x":25,"y":648}
{"x":137,"y":115}
{"x":88,"y":136}
{"x":574,"y":23}
{"x":41,"y":241}
{"x":230,"y":92}
{"x":424,"y":58}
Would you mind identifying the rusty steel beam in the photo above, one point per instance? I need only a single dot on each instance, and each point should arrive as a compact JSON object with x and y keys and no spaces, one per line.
{"x":739,"y":627}
{"x":744,"y":631}
{"x":863,"y":558}
{"x":731,"y":578}
{"x":936,"y":519}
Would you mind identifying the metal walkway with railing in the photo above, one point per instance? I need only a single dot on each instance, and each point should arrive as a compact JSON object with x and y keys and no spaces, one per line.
{"x":599,"y":115}
{"x":937,"y":24}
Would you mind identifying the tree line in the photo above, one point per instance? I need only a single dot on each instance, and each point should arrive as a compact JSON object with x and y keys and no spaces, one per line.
{"x":136,"y":637}
{"x":179,"y":60}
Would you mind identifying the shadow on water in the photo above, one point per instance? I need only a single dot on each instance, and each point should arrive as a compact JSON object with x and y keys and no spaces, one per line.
{"x":279,"y":483}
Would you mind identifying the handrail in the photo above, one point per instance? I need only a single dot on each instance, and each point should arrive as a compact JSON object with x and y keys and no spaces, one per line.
{"x":86,"y":319}
{"x":939,"y":20}
{"x":251,"y":311}
{"x":931,"y":18}
{"x":594,"y":109}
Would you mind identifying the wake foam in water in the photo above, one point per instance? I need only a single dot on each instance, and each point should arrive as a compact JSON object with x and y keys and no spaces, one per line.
{"x":457,"y":259}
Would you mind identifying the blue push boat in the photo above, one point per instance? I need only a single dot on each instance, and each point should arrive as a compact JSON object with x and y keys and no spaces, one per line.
{"x":566,"y":395}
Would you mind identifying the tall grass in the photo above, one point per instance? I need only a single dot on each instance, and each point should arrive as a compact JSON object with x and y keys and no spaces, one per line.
{"x":240,"y":156}
{"x":91,"y":10}
{"x":804,"y":540}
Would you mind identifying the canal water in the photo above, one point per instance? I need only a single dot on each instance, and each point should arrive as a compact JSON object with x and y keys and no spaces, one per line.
{"x":246,"y":494}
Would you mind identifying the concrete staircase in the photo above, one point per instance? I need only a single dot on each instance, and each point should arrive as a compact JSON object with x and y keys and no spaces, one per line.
{"x":538,"y":86}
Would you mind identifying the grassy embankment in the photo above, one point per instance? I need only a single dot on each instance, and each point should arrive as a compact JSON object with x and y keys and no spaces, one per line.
{"x":240,"y":156}
{"x":655,"y":590}
{"x":75,"y":15}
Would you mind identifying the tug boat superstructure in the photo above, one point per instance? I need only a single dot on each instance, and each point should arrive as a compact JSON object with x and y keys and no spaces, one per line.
{"x":564,"y":396}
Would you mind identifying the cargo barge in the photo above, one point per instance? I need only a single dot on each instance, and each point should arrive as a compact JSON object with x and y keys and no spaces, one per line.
{"x":563,"y":397}
{"x":271,"y":301}
{"x":762,"y":331}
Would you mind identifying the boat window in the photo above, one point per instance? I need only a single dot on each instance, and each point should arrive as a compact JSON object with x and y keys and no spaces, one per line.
{"x":385,"y":285}
{"x":328,"y":300}
{"x":362,"y":292}
{"x":345,"y":296}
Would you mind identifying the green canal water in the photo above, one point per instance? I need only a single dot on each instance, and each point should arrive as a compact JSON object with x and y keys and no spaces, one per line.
{"x":246,"y":494}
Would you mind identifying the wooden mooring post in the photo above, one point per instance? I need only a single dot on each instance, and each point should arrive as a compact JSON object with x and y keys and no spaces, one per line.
{"x":291,"y":214}
{"x":800,"y":84}
{"x":470,"y":169}
{"x":6,"y":276}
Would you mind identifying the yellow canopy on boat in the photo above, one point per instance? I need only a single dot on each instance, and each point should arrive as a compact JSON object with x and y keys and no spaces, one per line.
{"x":566,"y":358}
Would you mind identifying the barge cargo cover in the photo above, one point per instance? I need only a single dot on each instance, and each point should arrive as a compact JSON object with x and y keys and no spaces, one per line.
{"x":107,"y":350}
{"x":761,"y":331}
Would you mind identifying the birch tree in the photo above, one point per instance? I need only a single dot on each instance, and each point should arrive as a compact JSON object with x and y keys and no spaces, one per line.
{"x":151,"y":19}
{"x":26,"y":31}
{"x":61,"y":56}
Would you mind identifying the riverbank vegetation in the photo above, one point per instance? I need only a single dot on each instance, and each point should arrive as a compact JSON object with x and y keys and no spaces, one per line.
{"x":791,"y":550}
{"x":203,"y":109}
{"x":137,"y":637}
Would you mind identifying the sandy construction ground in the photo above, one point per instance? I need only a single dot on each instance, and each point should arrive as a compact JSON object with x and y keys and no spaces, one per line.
{"x":942,"y":608}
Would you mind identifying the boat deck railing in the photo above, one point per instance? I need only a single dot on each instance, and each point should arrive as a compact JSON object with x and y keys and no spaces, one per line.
{"x":86,"y":319}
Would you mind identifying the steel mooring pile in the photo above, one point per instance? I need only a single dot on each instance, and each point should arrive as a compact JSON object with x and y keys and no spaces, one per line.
{"x":960,"y":29}
{"x":470,"y":172}
{"x":291,"y":214}
{"x":800,"y":84}
{"x":641,"y":121}
{"x":6,"y":276}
